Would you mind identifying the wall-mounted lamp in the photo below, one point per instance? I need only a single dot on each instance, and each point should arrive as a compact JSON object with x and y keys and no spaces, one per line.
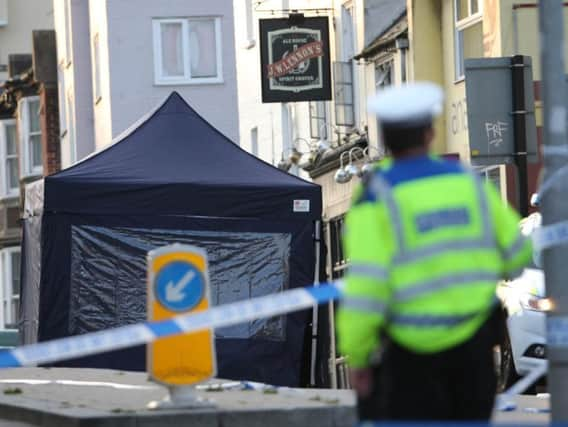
{"x":345,"y":173}
{"x":324,"y":145}
{"x":368,"y":166}
{"x":303,"y":158}
{"x":342,"y":175}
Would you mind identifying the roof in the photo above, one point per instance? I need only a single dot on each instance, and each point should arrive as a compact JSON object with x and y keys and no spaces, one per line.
{"x":380,"y":16}
{"x":174,"y":162}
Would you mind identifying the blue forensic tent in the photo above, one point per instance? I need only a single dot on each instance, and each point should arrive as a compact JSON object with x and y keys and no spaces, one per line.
{"x":171,"y":178}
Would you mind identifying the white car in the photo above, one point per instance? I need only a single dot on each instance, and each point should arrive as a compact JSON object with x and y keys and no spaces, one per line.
{"x":525,"y":302}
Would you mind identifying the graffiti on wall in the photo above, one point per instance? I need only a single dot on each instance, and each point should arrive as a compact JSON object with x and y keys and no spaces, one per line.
{"x":458,"y":116}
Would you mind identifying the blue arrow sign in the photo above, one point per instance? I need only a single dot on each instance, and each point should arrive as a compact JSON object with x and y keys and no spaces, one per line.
{"x":179,"y":286}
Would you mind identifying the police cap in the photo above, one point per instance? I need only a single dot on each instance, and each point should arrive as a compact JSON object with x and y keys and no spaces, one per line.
{"x":408,"y":106}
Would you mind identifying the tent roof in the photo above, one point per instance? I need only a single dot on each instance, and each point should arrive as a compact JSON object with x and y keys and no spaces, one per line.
{"x":173,"y":162}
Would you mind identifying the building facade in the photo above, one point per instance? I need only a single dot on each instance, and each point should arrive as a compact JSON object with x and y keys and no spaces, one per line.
{"x":269,"y":131}
{"x":115,"y":66}
{"x":442,"y":34}
{"x":23,"y":131}
{"x":368,"y":49}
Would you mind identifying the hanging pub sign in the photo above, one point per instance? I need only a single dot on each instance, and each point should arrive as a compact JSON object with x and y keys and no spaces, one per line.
{"x":294,"y":58}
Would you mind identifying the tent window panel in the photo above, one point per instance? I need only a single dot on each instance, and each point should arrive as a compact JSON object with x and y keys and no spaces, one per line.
{"x":108,"y":270}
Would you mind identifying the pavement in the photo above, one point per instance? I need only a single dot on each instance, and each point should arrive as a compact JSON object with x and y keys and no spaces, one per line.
{"x":528,"y":410}
{"x":97,"y":397}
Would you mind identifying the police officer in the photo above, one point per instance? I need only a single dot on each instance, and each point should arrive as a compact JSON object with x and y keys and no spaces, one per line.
{"x":427,"y":241}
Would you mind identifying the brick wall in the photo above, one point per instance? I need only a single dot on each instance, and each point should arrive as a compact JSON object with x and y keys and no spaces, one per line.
{"x":49,"y":112}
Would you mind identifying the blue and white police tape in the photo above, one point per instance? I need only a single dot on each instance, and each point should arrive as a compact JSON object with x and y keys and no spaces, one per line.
{"x":550,"y":235}
{"x":128,"y":336}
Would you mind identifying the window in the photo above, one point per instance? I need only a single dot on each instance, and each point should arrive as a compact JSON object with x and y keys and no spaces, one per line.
{"x":187,"y":51}
{"x":347,"y":34}
{"x":62,"y":103}
{"x":254,"y":141}
{"x":30,"y":136}
{"x":468,"y":38}
{"x":491,"y":174}
{"x":318,"y":120}
{"x":383,"y":75}
{"x":71,"y":133}
{"x":3,"y":13}
{"x":10,"y":276}
{"x":97,"y":69}
{"x":383,"y":78}
{"x":338,"y":261}
{"x":343,"y":87}
{"x":9,"y":154}
{"x":249,"y":25}
{"x":68,"y":35}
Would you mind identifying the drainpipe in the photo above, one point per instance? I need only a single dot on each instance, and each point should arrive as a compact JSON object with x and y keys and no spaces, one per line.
{"x":402,"y":45}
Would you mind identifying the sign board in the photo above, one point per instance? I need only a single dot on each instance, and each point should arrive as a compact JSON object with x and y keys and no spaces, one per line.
{"x":489,"y":92}
{"x":178,"y":283}
{"x":295,"y":59}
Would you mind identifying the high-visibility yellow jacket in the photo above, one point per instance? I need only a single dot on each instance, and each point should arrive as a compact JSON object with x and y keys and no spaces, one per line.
{"x":427,"y":242}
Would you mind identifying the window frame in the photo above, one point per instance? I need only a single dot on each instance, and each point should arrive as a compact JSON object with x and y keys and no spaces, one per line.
{"x":7,"y":278}
{"x":321,"y":131}
{"x":250,"y":37}
{"x":348,"y":27}
{"x":162,"y":80}
{"x":97,"y":76}
{"x":4,"y":19}
{"x":26,"y":168}
{"x":460,"y":25}
{"x":338,"y":262}
{"x":339,"y":100}
{"x":490,"y":174}
{"x":254,"y":141}
{"x":4,"y":180}
{"x":61,"y":91}
{"x":71,"y":135}
{"x":68,"y":58}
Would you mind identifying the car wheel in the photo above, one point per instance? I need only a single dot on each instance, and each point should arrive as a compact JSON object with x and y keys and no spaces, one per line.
{"x":506,"y":372}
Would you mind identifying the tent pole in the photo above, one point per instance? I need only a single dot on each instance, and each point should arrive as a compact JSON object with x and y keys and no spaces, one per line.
{"x":317,"y":246}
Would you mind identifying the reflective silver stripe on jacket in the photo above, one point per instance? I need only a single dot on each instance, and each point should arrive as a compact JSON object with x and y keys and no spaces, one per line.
{"x":445,"y":282}
{"x":424,"y":320}
{"x":382,"y":191}
{"x":429,"y":320}
{"x":364,"y":304}
{"x":370,"y":271}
